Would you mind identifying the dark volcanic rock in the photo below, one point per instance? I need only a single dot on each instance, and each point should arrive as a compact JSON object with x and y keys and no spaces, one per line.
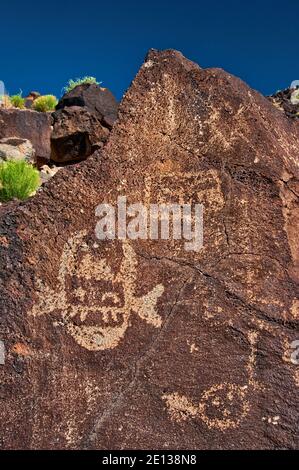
{"x":97,"y":100}
{"x":77,"y":133}
{"x":30,"y":125}
{"x":82,"y":122}
{"x":139,"y":343}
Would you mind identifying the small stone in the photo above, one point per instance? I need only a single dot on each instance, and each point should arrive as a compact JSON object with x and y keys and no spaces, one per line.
{"x":16,"y":148}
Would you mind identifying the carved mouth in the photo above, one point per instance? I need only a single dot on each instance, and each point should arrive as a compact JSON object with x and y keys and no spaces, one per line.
{"x":96,"y":338}
{"x":101,"y":317}
{"x":97,"y":317}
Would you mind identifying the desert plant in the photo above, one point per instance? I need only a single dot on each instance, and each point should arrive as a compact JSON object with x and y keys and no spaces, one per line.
{"x":18,"y":179}
{"x":71,"y":84}
{"x":45,"y":103}
{"x":18,"y":101}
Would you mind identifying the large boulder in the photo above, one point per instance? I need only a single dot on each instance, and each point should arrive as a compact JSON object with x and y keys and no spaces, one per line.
{"x":139,"y":343}
{"x":27,"y":124}
{"x":82,"y":122}
{"x":77,"y":133}
{"x":96,"y":99}
{"x":15,"y":148}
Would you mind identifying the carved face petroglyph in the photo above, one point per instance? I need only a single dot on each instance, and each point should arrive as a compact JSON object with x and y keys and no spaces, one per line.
{"x":97,"y":318}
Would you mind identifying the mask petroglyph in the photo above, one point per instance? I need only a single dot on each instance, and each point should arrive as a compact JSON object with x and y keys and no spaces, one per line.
{"x":223,"y":405}
{"x":112,"y":310}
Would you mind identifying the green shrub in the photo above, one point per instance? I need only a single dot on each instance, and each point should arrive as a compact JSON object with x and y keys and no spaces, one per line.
{"x":18,"y":101}
{"x":71,"y":84}
{"x":18,"y":179}
{"x":45,"y":103}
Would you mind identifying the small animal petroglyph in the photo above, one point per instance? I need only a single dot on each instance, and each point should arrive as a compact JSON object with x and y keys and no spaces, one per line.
{"x":223,"y":405}
{"x":111,"y":312}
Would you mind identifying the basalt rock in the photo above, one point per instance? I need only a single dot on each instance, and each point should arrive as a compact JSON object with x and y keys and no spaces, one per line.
{"x":96,"y":99}
{"x":77,"y":133}
{"x":82,"y":122}
{"x":27,"y":124}
{"x":141,"y":343}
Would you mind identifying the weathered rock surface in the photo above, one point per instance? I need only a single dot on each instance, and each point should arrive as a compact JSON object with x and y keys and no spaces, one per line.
{"x":139,"y":343}
{"x":82,"y":122}
{"x":15,"y":148}
{"x":27,"y":124}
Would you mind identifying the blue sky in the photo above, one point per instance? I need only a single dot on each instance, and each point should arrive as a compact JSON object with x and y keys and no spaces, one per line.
{"x":45,"y":44}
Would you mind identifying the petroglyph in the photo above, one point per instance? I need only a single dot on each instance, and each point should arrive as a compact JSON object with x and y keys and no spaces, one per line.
{"x":223,"y":405}
{"x":190,"y":187}
{"x":109,"y":310}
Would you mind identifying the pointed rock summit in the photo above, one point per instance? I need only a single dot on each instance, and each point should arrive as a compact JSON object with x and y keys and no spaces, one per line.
{"x":146,"y":343}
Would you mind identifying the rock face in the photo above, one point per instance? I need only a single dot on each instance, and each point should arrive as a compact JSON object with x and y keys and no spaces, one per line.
{"x":140,"y":343}
{"x":14,"y":148}
{"x":82,"y":122}
{"x":27,"y":124}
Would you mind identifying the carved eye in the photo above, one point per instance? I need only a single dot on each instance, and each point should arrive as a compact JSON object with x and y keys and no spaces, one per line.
{"x":111,"y":298}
